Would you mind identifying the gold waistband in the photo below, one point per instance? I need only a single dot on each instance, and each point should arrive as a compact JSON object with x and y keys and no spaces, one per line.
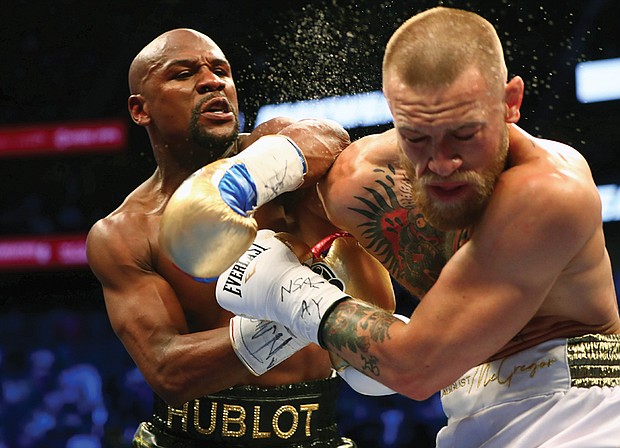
{"x":300,"y":414}
{"x":594,"y":360}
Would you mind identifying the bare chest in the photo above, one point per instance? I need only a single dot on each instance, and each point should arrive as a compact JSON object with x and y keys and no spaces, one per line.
{"x":197,"y":299}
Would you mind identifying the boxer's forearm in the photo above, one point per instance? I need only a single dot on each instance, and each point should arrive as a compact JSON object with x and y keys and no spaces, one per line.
{"x":320,"y":142}
{"x":191,"y":365}
{"x":359,"y":333}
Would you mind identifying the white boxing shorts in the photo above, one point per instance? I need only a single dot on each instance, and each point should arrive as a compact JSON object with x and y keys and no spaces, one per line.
{"x":561,"y":393}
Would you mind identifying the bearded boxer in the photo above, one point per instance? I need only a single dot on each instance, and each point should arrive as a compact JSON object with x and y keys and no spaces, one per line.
{"x":520,"y":330}
{"x":269,"y":388}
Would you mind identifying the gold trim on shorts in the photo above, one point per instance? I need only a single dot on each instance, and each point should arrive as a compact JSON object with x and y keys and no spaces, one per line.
{"x":594,"y":360}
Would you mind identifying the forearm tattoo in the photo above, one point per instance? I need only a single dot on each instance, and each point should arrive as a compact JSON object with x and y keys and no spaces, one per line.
{"x":395,"y":230}
{"x":353,"y":328}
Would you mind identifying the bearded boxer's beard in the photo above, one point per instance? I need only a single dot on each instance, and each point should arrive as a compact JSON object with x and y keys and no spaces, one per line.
{"x":458,"y":214}
{"x":215,"y":145}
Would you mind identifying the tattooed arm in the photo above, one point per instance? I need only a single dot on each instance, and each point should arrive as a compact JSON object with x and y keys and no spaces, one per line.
{"x":367,"y":194}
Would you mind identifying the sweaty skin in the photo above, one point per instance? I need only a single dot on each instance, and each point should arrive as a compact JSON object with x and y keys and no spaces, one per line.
{"x":182,"y":92}
{"x":367,"y":192}
{"x":533,"y":267}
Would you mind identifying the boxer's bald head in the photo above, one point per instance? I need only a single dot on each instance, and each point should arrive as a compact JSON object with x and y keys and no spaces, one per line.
{"x":161,"y":49}
{"x":433,"y":48}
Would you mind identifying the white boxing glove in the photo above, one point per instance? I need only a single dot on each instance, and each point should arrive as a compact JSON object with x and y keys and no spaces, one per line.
{"x":268,"y":282}
{"x":363,"y":384}
{"x":262,"y":344}
{"x":208,"y":222}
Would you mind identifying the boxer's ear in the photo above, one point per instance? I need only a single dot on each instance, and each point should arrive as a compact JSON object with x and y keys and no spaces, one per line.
{"x":513,"y":97}
{"x":138,"y":109}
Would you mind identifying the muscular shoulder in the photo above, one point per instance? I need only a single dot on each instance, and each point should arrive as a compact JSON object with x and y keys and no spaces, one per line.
{"x":376,"y":150}
{"x":552,"y":179}
{"x":367,"y":170}
{"x":546,"y":202}
{"x":122,"y":240}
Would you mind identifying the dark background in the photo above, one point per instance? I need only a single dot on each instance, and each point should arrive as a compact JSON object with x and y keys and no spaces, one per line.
{"x":67,"y":61}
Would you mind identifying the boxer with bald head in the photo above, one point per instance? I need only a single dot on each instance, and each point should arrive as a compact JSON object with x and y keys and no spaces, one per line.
{"x":519,"y":330}
{"x":260,"y":388}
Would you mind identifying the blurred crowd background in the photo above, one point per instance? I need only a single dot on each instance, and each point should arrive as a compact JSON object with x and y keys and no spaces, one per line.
{"x":65,"y":380}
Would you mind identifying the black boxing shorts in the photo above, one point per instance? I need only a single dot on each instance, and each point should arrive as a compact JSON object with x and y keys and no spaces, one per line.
{"x":300,"y":415}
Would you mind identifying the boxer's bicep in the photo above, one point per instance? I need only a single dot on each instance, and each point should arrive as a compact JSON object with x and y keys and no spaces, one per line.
{"x":135,"y":295}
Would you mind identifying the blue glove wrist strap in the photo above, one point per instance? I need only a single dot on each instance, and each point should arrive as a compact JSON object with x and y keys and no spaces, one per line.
{"x":238,"y":190}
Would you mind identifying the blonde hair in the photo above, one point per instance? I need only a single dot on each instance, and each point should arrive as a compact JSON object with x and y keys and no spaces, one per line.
{"x":433,"y":48}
